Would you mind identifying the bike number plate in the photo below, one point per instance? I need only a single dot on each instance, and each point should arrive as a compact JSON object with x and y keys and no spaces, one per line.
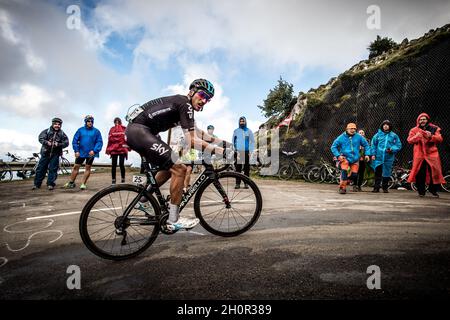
{"x":139,"y":180}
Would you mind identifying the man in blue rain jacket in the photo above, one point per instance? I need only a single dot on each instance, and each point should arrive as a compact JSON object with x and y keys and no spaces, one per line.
{"x":385,"y":144}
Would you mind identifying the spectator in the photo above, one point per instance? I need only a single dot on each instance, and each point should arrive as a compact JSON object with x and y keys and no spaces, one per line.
{"x":87,"y":143}
{"x":53,"y":141}
{"x":385,"y":145}
{"x":210,"y":130}
{"x":117,"y":148}
{"x":244,"y":142}
{"x":426,"y":167}
{"x":346,"y":150}
{"x":362,"y":168}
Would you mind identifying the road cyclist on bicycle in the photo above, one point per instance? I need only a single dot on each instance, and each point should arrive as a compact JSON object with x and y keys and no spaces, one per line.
{"x":161,"y":114}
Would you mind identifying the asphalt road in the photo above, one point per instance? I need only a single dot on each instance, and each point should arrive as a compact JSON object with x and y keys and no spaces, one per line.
{"x":309,"y":243}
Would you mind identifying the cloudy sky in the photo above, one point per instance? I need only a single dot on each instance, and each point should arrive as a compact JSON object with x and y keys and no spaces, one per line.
{"x":122,"y":52}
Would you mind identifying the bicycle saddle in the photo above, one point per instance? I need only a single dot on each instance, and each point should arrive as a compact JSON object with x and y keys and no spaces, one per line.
{"x":288,"y":153}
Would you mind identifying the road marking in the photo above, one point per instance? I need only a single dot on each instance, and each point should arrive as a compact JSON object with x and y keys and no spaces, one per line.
{"x":29,"y":239}
{"x":372,"y":201}
{"x":69,"y":213}
{"x":8,"y":227}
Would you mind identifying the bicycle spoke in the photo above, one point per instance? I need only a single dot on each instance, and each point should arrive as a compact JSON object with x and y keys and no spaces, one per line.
{"x":112,"y":202}
{"x":113,"y":212}
{"x":239,"y":214}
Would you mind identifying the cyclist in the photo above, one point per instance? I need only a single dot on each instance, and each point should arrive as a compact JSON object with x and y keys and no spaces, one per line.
{"x":346,"y":149}
{"x":161,"y":114}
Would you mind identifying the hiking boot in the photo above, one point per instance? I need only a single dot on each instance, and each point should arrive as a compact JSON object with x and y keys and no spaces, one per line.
{"x":237,"y":186}
{"x":182,"y":223}
{"x":69,"y":185}
{"x":145,"y":207}
{"x":83,"y":186}
{"x":342,"y":191}
{"x":50,"y":188}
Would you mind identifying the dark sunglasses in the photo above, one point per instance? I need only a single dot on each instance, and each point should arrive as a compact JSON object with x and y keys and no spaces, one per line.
{"x":204,"y":95}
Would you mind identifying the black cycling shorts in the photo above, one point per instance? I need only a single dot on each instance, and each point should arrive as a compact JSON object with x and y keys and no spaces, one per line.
{"x":150,"y":146}
{"x":80,"y":161}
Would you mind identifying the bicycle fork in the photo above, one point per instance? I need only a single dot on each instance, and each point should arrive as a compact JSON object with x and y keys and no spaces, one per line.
{"x":222,"y":192}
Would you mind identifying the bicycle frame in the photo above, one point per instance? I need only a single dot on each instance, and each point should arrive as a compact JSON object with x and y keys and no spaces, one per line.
{"x":207,"y":173}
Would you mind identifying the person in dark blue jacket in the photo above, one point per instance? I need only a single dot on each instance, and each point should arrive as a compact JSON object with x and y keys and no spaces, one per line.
{"x":87,"y":143}
{"x":346,"y":150}
{"x":53,"y":141}
{"x":244,"y":144}
{"x":385,"y":144}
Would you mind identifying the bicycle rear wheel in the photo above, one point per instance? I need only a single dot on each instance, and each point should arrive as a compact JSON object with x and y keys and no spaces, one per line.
{"x":108,"y":234}
{"x":225,"y":211}
{"x":65,"y":166}
{"x":5,"y":173}
{"x":285,"y":172}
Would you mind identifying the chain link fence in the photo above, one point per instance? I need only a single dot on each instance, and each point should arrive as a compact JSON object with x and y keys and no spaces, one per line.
{"x":398,"y":92}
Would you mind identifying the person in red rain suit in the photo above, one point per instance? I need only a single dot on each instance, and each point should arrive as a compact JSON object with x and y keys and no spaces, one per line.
{"x":117,"y":148}
{"x":426,"y":167}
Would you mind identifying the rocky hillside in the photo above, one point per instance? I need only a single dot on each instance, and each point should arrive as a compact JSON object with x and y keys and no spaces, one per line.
{"x":398,"y":85}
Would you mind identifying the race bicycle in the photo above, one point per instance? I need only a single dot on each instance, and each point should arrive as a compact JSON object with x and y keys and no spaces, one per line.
{"x":29,"y":168}
{"x":287,"y":171}
{"x":113,"y":226}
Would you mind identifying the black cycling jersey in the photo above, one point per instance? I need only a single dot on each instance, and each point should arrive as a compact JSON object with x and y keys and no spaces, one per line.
{"x":167,"y":112}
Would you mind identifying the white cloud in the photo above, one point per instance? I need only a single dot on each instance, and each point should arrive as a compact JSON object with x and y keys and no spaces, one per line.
{"x":20,"y":144}
{"x":30,"y":101}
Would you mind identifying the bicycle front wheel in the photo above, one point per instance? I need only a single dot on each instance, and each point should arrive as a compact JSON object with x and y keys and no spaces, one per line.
{"x":224,"y":210}
{"x":108,"y":233}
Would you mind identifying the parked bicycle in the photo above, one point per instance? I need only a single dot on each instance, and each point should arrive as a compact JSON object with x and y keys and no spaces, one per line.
{"x":6,"y":173}
{"x":293,"y":166}
{"x":113,"y":228}
{"x":64,"y":164}
{"x":29,"y":167}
